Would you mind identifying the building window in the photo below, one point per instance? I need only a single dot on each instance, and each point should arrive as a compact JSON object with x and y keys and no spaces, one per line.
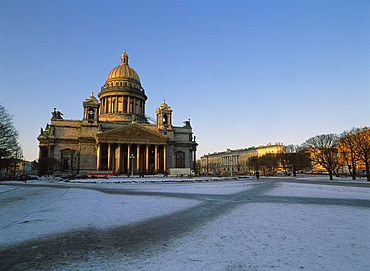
{"x":90,"y":114}
{"x":125,"y":105}
{"x":180,"y":159}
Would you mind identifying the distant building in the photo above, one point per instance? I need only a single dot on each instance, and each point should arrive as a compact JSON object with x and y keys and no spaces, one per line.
{"x":115,"y":134}
{"x":235,"y":160}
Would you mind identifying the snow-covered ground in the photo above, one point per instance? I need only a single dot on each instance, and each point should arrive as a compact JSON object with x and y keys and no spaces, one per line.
{"x":303,"y":233}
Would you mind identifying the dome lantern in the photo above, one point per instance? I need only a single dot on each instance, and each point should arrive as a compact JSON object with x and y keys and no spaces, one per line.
{"x":124,"y":58}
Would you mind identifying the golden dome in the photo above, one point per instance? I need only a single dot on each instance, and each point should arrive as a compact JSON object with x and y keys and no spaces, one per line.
{"x":123,"y":71}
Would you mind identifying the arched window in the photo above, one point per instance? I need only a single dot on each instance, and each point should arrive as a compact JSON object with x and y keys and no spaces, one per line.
{"x":180,"y":159}
{"x":125,"y":105}
{"x":108,"y":107}
{"x":90,"y":114}
{"x":67,"y":157}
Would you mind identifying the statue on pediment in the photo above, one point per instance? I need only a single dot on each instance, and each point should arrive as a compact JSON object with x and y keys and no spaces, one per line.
{"x":56,"y":115}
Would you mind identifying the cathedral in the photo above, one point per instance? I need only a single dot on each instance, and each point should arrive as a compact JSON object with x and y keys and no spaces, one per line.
{"x":115,"y":134}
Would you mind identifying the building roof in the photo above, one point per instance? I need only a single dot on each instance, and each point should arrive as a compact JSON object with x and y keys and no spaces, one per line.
{"x":228,"y":151}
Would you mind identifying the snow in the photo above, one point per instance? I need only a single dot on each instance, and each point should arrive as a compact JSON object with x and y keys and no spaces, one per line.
{"x":255,"y":235}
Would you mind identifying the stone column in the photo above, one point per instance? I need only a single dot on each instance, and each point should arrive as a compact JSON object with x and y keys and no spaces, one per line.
{"x":138,"y":157}
{"x":156,"y":159}
{"x":128,"y":104}
{"x":116,"y":110}
{"x":98,"y":156}
{"x":128,"y":158}
{"x":109,"y":157}
{"x":147,"y":159}
{"x":194,"y":159}
{"x":164,"y":158}
{"x":118,"y":161}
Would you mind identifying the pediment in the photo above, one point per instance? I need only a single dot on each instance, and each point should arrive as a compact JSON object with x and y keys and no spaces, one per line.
{"x":132,"y":134}
{"x":90,"y":102}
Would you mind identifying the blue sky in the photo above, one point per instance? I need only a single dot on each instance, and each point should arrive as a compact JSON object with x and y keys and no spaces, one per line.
{"x":245,"y":72}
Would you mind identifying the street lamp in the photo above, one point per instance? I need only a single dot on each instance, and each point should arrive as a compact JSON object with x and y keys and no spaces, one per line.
{"x":132,"y":157}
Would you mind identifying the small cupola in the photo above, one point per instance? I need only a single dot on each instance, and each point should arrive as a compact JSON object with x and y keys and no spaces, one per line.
{"x":91,"y":108}
{"x":164,"y":116}
{"x":124,"y":58}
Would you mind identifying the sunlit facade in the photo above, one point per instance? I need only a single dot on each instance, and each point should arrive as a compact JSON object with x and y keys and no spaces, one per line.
{"x":236,"y":160}
{"x":115,"y":133}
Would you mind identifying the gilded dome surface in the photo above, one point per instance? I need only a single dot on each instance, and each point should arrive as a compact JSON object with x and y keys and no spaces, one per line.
{"x":123,"y":71}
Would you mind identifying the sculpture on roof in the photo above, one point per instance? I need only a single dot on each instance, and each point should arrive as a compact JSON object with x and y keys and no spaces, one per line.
{"x":187,"y":123}
{"x":56,"y":115}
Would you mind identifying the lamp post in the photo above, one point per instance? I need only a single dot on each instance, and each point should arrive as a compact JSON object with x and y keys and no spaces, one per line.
{"x":132,"y":157}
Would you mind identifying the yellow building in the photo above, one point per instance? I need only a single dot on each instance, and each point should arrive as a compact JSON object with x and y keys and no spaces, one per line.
{"x":235,"y":160}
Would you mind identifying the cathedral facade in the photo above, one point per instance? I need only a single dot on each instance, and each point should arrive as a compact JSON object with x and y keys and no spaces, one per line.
{"x":115,"y":134}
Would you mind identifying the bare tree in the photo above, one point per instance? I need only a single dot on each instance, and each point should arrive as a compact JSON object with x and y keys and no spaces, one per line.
{"x":349,"y":151}
{"x":268,"y":162}
{"x":9,"y":146}
{"x":253,"y":163}
{"x":324,"y":152}
{"x":295,"y":158}
{"x":362,"y":138}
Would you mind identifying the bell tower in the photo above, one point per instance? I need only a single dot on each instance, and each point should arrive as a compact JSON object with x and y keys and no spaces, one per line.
{"x":164,"y":117}
{"x":91,"y":108}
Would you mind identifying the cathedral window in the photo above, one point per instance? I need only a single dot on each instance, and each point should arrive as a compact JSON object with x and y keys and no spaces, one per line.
{"x":131,"y":106}
{"x":119,"y":105}
{"x":90,"y":114}
{"x":180,"y":159}
{"x":108,"y":107}
{"x":125,"y":105}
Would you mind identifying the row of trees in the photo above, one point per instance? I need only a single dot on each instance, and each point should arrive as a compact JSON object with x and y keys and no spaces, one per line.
{"x":10,"y":149}
{"x":331,"y":152}
{"x":295,"y":158}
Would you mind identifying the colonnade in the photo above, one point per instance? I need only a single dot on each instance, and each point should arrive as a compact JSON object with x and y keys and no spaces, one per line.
{"x":229,"y":160}
{"x":132,"y":158}
{"x":122,"y":104}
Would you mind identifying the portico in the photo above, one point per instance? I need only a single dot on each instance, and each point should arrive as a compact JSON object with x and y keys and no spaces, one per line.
{"x":132,"y":148}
